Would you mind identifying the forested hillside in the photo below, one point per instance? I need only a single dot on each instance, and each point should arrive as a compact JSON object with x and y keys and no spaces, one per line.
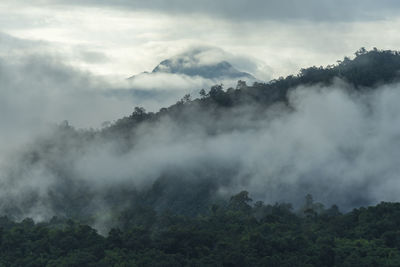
{"x":238,"y":233}
{"x":160,"y":188}
{"x":366,"y":71}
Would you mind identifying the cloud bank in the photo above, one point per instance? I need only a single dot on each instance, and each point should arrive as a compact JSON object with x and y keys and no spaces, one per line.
{"x":39,"y":89}
{"x":338,"y":145}
{"x":136,"y":35}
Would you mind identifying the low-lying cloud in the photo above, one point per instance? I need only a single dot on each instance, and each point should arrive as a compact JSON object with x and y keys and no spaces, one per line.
{"x":38,"y":89}
{"x":337,"y":144}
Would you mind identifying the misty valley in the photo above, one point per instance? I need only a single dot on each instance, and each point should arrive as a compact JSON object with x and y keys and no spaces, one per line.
{"x":297,"y":171}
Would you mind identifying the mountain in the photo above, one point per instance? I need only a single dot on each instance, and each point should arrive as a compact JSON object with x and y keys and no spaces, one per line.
{"x":188,"y":156}
{"x":194,"y":63}
{"x":220,"y":70}
{"x":165,"y":181}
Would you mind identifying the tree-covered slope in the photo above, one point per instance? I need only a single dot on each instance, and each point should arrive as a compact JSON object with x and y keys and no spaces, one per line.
{"x":366,"y":71}
{"x":235,"y":233}
{"x":186,"y":157}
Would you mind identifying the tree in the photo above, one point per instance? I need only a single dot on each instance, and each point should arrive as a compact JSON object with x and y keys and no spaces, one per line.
{"x":185,"y":99}
{"x":361,"y":51}
{"x":240,"y":202}
{"x":139,"y":111}
{"x":216,"y":90}
{"x":203,"y":93}
{"x":241,"y":85}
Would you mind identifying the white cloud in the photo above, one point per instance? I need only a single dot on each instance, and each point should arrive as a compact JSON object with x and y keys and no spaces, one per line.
{"x":68,"y":61}
{"x":136,"y":40}
{"x":337,"y":145}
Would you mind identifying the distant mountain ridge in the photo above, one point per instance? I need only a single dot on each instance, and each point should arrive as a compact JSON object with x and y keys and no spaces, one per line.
{"x":366,"y":71}
{"x":221,"y":69}
{"x":193,"y":65}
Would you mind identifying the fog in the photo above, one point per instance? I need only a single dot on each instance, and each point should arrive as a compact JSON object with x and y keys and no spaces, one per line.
{"x":332,"y":142}
{"x":336,"y":143}
{"x":39,"y":89}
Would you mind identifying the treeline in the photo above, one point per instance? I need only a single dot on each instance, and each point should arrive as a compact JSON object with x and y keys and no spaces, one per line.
{"x":365,"y":71}
{"x":234,"y":233}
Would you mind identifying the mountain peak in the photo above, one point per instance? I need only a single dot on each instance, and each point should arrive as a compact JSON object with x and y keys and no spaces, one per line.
{"x":201,"y":63}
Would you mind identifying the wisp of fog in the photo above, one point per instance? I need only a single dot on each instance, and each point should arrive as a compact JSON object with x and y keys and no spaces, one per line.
{"x":338,"y":145}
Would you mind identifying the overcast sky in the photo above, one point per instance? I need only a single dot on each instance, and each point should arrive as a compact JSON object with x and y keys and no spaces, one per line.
{"x":59,"y":59}
{"x":125,"y":37}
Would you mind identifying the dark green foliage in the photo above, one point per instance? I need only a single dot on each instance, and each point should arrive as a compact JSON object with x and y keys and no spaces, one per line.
{"x":234,"y":234}
{"x":366,"y":70}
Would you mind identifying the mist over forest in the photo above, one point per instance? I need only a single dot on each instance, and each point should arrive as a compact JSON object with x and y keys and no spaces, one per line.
{"x":199,"y":133}
{"x":330,"y":132}
{"x":306,"y":148}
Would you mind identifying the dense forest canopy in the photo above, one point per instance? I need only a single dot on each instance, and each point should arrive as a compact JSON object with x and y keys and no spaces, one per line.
{"x":237,"y":233}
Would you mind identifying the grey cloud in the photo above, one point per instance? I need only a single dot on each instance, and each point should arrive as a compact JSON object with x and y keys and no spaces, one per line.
{"x":92,"y":57}
{"x":339,"y":146}
{"x":37,"y":89}
{"x":314,"y":10}
{"x":43,"y":89}
{"x":332,"y":146}
{"x":10,"y":46}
